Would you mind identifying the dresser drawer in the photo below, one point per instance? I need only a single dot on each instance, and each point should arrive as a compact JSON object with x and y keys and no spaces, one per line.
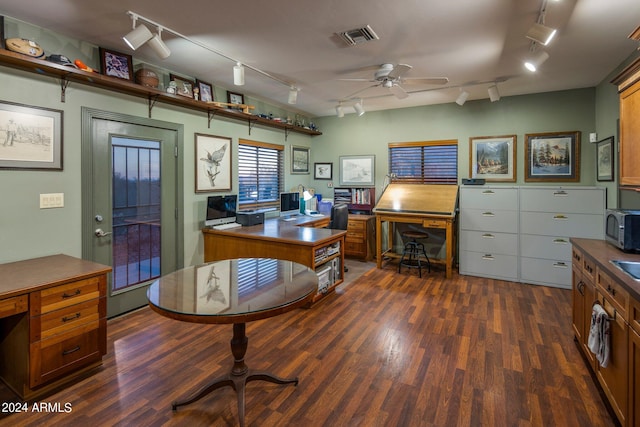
{"x":489,"y":242}
{"x":489,"y":220}
{"x":615,"y":293}
{"x":356,"y":226}
{"x":489,"y":265}
{"x":13,"y":305}
{"x":66,"y":295}
{"x":566,"y":200}
{"x":67,"y":352}
{"x":489,"y":198}
{"x":555,"y":273}
{"x":355,"y":248}
{"x":549,"y":247}
{"x":65,"y":319}
{"x":562,"y":224}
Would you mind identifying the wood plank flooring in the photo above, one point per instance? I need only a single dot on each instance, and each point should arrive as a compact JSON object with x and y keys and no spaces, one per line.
{"x":385,"y":350}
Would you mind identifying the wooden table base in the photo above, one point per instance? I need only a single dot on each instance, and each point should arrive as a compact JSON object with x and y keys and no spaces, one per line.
{"x":239,"y":376}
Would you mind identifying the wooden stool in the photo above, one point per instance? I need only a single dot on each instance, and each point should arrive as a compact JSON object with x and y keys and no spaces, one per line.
{"x":412,"y":251}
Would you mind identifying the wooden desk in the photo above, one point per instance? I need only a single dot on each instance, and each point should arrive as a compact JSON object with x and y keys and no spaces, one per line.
{"x":52,"y":322}
{"x":299,"y":241}
{"x":430,"y":206}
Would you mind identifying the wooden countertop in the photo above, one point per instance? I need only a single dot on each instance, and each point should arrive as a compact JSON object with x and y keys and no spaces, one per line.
{"x":20,"y":277}
{"x":603,"y":252}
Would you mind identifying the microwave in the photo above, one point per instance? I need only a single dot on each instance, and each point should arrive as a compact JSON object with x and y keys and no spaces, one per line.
{"x":622,"y":229}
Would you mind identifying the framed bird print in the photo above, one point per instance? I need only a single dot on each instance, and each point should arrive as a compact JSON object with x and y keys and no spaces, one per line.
{"x":213,"y":163}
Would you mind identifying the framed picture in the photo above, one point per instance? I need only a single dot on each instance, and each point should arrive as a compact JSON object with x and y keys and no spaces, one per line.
{"x":206,"y":91}
{"x":235,"y":98}
{"x":357,"y":170}
{"x":30,"y":137}
{"x":604,"y":159}
{"x":493,"y":158}
{"x":299,"y":160}
{"x":552,"y":156}
{"x":116,"y":64}
{"x":323,"y":171}
{"x":213,"y":163}
{"x":213,"y":284}
{"x":184,"y":87}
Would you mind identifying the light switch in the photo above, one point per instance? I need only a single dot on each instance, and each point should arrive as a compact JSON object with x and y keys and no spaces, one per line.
{"x":51,"y":200}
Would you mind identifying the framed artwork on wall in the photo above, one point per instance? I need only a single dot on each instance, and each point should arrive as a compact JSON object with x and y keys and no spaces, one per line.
{"x":604,"y":159}
{"x":213,"y":163}
{"x":116,"y":64}
{"x":323,"y":171}
{"x":30,"y":137}
{"x":357,"y":170}
{"x":493,"y":158}
{"x":206,"y":91}
{"x":184,"y":87}
{"x":299,"y":160}
{"x":552,"y":157}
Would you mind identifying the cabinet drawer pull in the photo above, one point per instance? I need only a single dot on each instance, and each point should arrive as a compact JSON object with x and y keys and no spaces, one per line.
{"x":76,"y":293}
{"x":560,"y":264}
{"x":580,"y":287}
{"x":488,"y":236}
{"x":560,"y":216}
{"x":488,"y":192}
{"x":560,"y":241}
{"x":560,"y":193}
{"x":488,"y":214}
{"x":69,"y":318}
{"x":611,"y":290}
{"x":73,"y":350}
{"x":488,"y":257}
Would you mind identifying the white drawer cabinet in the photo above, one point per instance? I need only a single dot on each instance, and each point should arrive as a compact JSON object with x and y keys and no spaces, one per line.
{"x":549,"y":216}
{"x":489,"y":232}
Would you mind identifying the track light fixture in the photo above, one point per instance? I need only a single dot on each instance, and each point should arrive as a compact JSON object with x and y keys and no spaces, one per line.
{"x":494,"y":95}
{"x":138,"y":36}
{"x":238,"y":74}
{"x":359,"y":108}
{"x":462,"y":98}
{"x":536,"y":60}
{"x":158,"y":46}
{"x":540,"y":33}
{"x":339,"y":111}
{"x":293,"y":95}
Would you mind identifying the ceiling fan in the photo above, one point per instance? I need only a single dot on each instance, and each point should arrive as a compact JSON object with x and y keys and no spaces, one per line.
{"x":392,"y":77}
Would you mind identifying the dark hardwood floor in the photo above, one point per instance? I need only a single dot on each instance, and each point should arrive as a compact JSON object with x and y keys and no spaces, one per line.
{"x":385,"y":350}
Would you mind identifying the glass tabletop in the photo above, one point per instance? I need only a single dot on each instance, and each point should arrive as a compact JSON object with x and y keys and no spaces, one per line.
{"x":221,"y":291}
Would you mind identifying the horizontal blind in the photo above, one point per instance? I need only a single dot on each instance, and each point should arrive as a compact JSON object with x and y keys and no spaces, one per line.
{"x":254,"y":273}
{"x":424,"y":163}
{"x":260,"y":173}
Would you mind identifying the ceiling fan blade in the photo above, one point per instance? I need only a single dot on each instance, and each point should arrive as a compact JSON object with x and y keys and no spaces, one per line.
{"x":426,"y":81}
{"x":399,"y":70}
{"x":356,"y":80}
{"x":360,"y":91}
{"x":398,"y":92}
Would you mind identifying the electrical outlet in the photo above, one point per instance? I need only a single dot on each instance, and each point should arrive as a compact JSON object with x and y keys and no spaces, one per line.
{"x":51,"y":200}
{"x":330,"y":184}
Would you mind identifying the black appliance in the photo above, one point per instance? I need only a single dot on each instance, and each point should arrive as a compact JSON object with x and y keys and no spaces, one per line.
{"x":622,"y":229}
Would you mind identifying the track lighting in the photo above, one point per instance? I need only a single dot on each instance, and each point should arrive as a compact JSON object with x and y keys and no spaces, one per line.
{"x":541,"y":34}
{"x":138,"y":36}
{"x":359,"y":108}
{"x":494,"y":95}
{"x":158,"y":46}
{"x":462,"y":98}
{"x":536,"y":61}
{"x":238,"y":74}
{"x":293,"y":95}
{"x":339,"y":111}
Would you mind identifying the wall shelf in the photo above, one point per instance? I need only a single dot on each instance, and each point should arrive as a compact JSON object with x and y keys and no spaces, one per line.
{"x":153,"y":96}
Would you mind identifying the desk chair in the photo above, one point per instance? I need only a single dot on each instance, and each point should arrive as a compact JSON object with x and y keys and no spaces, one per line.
{"x":339,"y":220}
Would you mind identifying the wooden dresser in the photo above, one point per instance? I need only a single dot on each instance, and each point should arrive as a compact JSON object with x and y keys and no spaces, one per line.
{"x":53,"y":325}
{"x":360,"y":237}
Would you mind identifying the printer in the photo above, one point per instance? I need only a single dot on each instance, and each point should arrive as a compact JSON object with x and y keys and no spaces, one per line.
{"x":250,"y":217}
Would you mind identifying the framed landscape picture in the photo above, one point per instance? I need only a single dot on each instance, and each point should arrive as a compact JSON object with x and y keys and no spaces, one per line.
{"x":299,"y":160}
{"x":552,"y":157}
{"x":493,"y":158}
{"x":357,"y":170}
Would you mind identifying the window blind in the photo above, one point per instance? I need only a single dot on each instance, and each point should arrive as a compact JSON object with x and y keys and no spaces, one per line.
{"x":260,"y":173}
{"x":434,"y":162}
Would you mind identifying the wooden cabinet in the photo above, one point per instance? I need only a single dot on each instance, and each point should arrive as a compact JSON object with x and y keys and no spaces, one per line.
{"x":628,"y":83}
{"x":583,"y":296}
{"x":58,"y":331}
{"x":634,"y":378}
{"x":360,"y":237}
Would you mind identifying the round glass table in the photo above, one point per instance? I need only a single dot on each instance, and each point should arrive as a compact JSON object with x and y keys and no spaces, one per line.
{"x":233,"y":291}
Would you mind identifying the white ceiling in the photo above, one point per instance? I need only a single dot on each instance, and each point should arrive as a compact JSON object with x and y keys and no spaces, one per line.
{"x":472,"y":42}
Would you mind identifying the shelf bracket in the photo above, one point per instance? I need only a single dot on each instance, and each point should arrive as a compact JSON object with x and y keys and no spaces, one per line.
{"x":251,"y":125}
{"x":210,"y":115}
{"x":63,"y":88}
{"x":286,"y":134}
{"x":152,"y":102}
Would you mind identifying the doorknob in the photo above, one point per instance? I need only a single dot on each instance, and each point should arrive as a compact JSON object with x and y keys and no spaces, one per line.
{"x":100,"y":233}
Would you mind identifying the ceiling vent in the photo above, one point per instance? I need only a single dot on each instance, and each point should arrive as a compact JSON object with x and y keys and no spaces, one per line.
{"x":359,"y":35}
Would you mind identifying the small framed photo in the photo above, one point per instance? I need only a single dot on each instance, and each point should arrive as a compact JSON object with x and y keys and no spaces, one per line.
{"x":323,"y":171}
{"x":235,"y":98}
{"x":357,"y":170}
{"x":552,"y":156}
{"x":30,"y":137}
{"x":213,"y":163}
{"x":116,"y":64}
{"x":206,"y":91}
{"x":493,"y":158}
{"x":604,"y":159}
{"x":299,"y":160}
{"x":184,"y":87}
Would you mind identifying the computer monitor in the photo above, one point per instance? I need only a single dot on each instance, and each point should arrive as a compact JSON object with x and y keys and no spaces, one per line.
{"x":289,"y":204}
{"x":221,"y":209}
